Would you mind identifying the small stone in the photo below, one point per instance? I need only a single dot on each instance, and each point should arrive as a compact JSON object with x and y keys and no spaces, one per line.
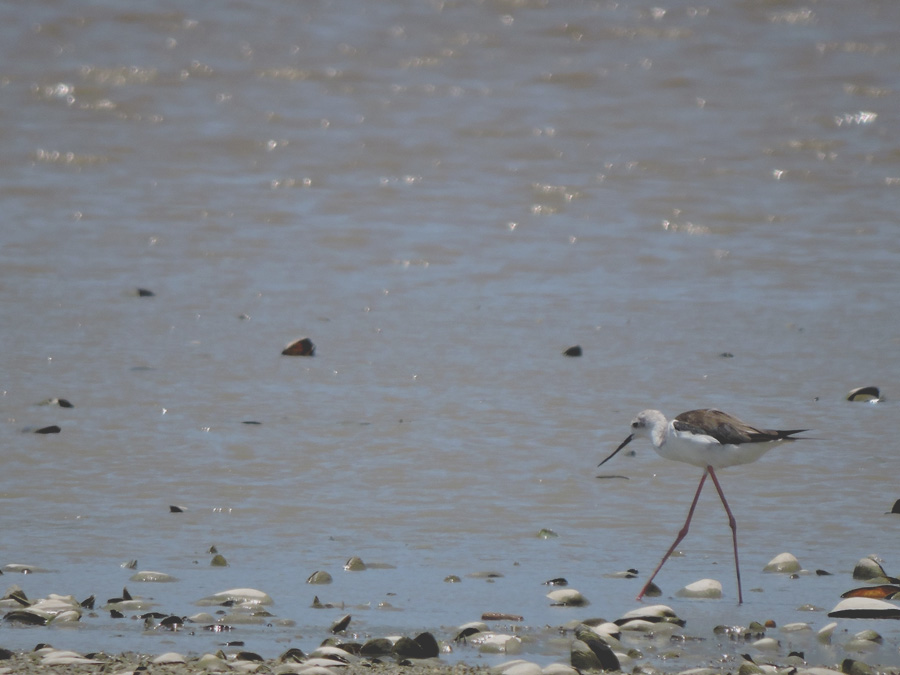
{"x":173,"y":508}
{"x":302,"y":347}
{"x":573,"y":351}
{"x":145,"y":293}
{"x":218,"y":560}
{"x":52,"y":429}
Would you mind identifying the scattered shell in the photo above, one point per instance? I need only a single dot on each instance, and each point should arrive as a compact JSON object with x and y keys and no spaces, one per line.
{"x":129,"y":564}
{"x":500,"y":616}
{"x":452,"y":579}
{"x":767,"y":644}
{"x":377,"y":647}
{"x":825,"y":633}
{"x":58,"y":657}
{"x":865,"y":394}
{"x":704,"y":588}
{"x":355,"y":564}
{"x":169,"y":657}
{"x":61,"y":402}
{"x":652,"y":591}
{"x":249,"y":596}
{"x":497,"y":643}
{"x":212,"y":663}
{"x":869,"y":635}
{"x":575,"y":350}
{"x":18,"y":568}
{"x":174,"y":508}
{"x":52,"y":429}
{"x":784,"y":563}
{"x":25,"y":617}
{"x":583,"y":657}
{"x":882,"y":592}
{"x":558,"y":581}
{"x":341,"y":624}
{"x":864,"y":608}
{"x":218,"y":560}
{"x":302,"y":347}
{"x":469,"y":629}
{"x":853,"y":667}
{"x":547,"y":533}
{"x":423,"y":646}
{"x":626,"y":574}
{"x":868,"y":569}
{"x":559,"y":669}
{"x":319,"y":577}
{"x":145,"y":293}
{"x":653,"y":615}
{"x":567,"y":597}
{"x":896,"y":507}
{"x":517,"y":667}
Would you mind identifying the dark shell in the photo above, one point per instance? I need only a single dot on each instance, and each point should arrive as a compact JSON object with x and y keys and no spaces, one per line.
{"x":301,"y":347}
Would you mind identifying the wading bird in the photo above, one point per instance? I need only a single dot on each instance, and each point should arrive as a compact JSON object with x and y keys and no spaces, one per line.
{"x":711,"y":440}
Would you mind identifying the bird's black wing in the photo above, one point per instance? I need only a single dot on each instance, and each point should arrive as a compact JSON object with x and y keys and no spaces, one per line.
{"x":728,"y":429}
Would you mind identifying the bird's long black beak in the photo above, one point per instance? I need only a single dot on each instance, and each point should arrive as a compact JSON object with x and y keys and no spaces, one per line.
{"x":624,"y":443}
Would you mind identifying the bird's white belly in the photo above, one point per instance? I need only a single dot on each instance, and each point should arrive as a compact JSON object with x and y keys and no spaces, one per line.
{"x":703,"y":451}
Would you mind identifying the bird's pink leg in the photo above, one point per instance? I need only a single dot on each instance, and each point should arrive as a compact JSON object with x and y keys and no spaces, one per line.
{"x":733,"y":524}
{"x":681,"y":535}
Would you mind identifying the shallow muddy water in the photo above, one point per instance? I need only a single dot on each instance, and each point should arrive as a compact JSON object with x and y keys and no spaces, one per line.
{"x":443,"y":197}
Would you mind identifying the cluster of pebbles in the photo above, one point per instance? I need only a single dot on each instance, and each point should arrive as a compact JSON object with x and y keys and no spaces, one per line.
{"x":649,"y":640}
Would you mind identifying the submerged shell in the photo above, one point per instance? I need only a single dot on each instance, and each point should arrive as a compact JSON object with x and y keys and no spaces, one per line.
{"x":704,"y":588}
{"x":785,"y":563}
{"x":866,"y":394}
{"x":249,"y":596}
{"x":149,"y":576}
{"x":319,"y":577}
{"x":355,"y":564}
{"x":867,"y":569}
{"x":567,"y":597}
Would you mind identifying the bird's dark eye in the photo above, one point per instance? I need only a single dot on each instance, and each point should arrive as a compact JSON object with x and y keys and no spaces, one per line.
{"x":635,"y":425}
